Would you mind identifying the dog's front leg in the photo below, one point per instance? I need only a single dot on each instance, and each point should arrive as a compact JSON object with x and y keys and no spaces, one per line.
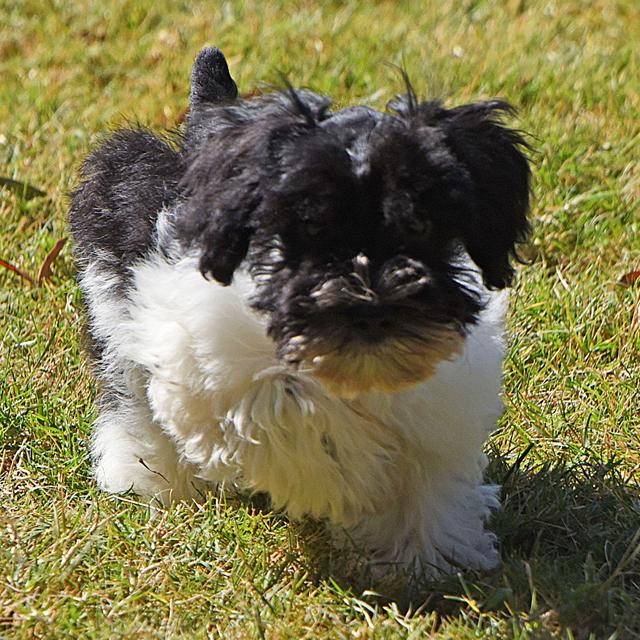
{"x":436,"y":523}
{"x":131,"y":452}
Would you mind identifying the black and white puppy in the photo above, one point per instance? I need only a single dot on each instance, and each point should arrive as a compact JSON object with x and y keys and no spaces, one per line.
{"x":305,"y":302}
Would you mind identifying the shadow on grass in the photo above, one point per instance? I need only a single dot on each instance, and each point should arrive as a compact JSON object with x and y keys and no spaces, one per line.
{"x":570,"y":543}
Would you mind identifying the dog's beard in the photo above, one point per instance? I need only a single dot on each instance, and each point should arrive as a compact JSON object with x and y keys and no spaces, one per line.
{"x":357,"y":336}
{"x":349,"y":364}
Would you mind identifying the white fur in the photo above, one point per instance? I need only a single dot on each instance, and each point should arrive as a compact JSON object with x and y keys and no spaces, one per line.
{"x":207,"y":401}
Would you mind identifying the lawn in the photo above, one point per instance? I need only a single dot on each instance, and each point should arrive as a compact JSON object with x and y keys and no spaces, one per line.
{"x":76,"y":563}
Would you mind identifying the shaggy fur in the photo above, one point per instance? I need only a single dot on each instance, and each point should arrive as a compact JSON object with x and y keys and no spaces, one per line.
{"x":303,"y":302}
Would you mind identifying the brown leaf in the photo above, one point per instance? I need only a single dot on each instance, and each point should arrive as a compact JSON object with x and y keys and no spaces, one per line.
{"x":629,"y":279}
{"x":45,"y":269}
{"x":15,"y":269}
{"x":21,"y":188}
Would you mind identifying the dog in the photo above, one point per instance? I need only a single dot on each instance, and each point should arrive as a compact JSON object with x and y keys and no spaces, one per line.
{"x":307,"y":303}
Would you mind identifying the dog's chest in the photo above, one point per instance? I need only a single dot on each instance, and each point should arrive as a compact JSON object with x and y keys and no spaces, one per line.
{"x":235,"y":413}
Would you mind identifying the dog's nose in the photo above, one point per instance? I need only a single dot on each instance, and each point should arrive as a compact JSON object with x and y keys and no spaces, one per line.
{"x":401,"y":278}
{"x":371,"y":321}
{"x":373,"y":324}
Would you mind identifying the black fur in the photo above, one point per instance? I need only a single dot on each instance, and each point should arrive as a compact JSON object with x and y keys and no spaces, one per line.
{"x":297,"y":192}
{"x":126,"y":182}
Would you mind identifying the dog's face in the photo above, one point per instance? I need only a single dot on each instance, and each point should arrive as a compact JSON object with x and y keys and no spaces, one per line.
{"x":353,"y":225}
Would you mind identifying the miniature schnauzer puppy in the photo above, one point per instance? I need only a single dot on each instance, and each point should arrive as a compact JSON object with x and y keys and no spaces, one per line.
{"x":307,"y":303}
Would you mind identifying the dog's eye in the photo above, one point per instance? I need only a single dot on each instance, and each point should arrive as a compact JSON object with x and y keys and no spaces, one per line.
{"x":313,"y":229}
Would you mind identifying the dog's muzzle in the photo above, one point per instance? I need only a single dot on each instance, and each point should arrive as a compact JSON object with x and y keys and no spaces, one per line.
{"x":397,"y":280}
{"x":366,"y":331}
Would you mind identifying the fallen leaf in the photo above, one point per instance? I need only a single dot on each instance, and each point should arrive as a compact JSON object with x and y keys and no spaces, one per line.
{"x":629,"y":279}
{"x":45,"y":269}
{"x":15,"y":269}
{"x":21,"y":188}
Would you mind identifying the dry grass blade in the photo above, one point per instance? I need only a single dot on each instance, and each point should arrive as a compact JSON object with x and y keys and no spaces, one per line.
{"x":631,"y":553}
{"x":45,"y":269}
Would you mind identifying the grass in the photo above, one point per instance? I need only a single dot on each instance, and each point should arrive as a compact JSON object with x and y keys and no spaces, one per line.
{"x":75,"y":563}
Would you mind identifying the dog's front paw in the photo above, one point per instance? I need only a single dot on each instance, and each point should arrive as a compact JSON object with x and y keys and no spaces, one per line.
{"x":431,"y":532}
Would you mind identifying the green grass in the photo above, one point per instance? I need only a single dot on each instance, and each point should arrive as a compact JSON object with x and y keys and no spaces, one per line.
{"x":75,"y":563}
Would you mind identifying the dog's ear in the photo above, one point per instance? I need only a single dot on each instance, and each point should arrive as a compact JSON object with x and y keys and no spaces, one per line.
{"x":494,"y":218}
{"x":219,"y":191}
{"x":232,"y":153}
{"x":219,"y":200}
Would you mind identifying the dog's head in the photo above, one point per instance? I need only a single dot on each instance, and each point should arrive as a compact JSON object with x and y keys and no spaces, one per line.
{"x":353,"y":224}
